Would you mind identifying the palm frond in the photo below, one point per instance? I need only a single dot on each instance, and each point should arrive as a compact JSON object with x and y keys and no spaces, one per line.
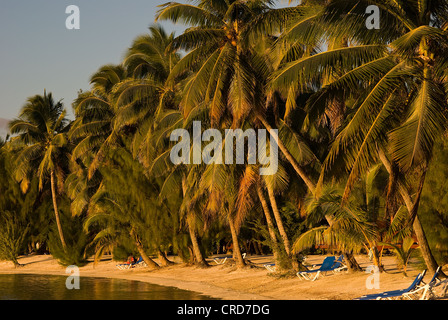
{"x":412,"y":142}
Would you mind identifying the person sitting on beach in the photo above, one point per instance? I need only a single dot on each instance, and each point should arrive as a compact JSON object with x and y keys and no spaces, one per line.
{"x":131,"y":260}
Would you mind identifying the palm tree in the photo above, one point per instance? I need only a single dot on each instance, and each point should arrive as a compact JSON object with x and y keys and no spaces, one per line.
{"x":361,"y":223}
{"x":149,"y":55}
{"x":229,"y":71}
{"x":150,"y":61}
{"x":93,"y":130}
{"x":396,"y":83}
{"x":170,"y":178}
{"x":41,"y":131}
{"x":229,"y":198}
{"x":269,"y":222}
{"x":276,"y":184}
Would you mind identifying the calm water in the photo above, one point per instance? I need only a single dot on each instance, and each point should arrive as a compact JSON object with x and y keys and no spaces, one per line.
{"x":37,"y":287}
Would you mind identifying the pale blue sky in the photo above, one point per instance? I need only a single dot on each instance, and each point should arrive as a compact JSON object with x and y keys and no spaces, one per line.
{"x":38,"y":52}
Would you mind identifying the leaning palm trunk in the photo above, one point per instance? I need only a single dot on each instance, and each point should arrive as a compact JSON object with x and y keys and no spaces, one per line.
{"x":392,"y":192}
{"x":279,"y":221}
{"x":281,"y":228}
{"x":236,"y":247}
{"x":351,"y":262}
{"x":377,"y":258}
{"x":199,"y":258}
{"x":269,"y":222}
{"x":56,"y":211}
{"x":149,"y":262}
{"x":412,"y":207}
{"x":301,"y":173}
{"x":163,"y":259}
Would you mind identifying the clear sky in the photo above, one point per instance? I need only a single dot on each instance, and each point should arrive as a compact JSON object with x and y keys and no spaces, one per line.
{"x":38,"y":52}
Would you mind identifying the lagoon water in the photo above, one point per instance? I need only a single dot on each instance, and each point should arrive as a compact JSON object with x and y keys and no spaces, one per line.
{"x":44,"y":287}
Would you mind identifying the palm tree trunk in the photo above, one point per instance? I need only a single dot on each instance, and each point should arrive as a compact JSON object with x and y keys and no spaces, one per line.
{"x":149,"y":262}
{"x":269,"y":222}
{"x":377,"y":259}
{"x":430,"y":261}
{"x":352,"y":264}
{"x":15,"y":262}
{"x":191,"y":258}
{"x":281,"y":229}
{"x":163,"y":259}
{"x":278,"y":219}
{"x":236,"y":247}
{"x":199,"y":258}
{"x":56,"y":211}
{"x":301,"y":173}
{"x":391,"y":195}
{"x":412,"y":207}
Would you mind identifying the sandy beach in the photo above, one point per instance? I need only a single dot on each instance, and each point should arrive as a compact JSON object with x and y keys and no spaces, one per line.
{"x":229,"y":283}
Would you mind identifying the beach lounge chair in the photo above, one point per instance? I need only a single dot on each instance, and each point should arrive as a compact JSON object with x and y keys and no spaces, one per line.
{"x":270,"y":267}
{"x":124,"y":266}
{"x":339,"y":265}
{"x":425,"y":291}
{"x":395,"y":293}
{"x":327,"y":265}
{"x":222,"y":260}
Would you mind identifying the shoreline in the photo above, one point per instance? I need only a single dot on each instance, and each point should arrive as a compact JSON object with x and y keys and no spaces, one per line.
{"x":226,"y":282}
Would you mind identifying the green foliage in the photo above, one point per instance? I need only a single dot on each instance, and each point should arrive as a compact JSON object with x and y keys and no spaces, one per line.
{"x":403,"y":252}
{"x":76,"y":238}
{"x":122,"y":251}
{"x":434,"y":202}
{"x":295,"y":224}
{"x":12,"y":234}
{"x":260,"y":228}
{"x":14,"y":218}
{"x":340,"y":95}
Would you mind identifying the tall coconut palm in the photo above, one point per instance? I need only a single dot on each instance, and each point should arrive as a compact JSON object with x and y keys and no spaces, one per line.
{"x":227,"y":57}
{"x":149,"y":61}
{"x":95,"y":111}
{"x":148,"y":56}
{"x":41,"y":130}
{"x":228,"y":71}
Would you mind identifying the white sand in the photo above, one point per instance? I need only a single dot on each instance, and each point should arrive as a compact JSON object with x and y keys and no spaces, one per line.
{"x":228,"y":282}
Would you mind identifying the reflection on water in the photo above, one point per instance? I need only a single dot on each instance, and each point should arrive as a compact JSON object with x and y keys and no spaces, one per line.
{"x":43,"y":287}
